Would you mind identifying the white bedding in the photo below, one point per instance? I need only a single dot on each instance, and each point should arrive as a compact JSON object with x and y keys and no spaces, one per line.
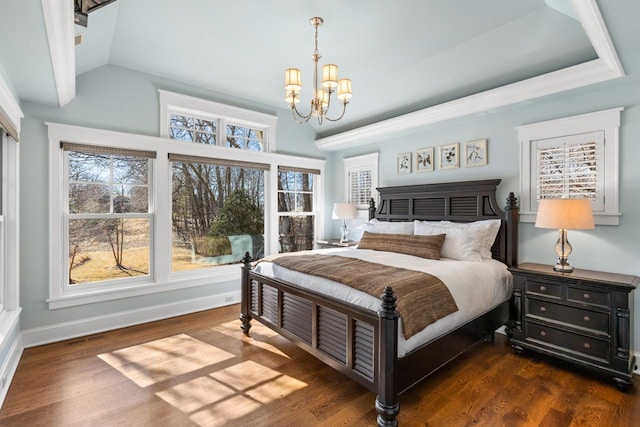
{"x":477,"y":287}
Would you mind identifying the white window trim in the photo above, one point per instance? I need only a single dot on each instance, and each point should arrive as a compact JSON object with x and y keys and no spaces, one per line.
{"x":161,"y":278}
{"x":176,"y":103}
{"x":360,"y":162}
{"x":607,"y":121}
{"x":11,"y":229}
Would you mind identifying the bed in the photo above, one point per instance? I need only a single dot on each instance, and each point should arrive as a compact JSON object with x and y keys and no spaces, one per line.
{"x":363,"y":343}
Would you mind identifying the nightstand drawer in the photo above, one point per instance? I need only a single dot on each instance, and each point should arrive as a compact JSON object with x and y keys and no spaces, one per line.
{"x":543,"y":288}
{"x":587,"y":296}
{"x":573,"y":342}
{"x":569,"y":315}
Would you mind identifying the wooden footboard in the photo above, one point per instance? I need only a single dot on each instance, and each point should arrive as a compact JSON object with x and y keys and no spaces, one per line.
{"x":360,"y":343}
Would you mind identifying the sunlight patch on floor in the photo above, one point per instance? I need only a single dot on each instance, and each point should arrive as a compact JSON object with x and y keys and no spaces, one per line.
{"x":156,"y":361}
{"x":230,"y":393}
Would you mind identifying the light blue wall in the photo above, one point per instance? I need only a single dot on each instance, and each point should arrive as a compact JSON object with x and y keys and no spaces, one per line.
{"x":607,"y":248}
{"x":111,"y":98}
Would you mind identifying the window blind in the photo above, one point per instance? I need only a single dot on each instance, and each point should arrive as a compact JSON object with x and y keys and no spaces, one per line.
{"x":94,"y":149}
{"x":567,"y":170}
{"x":296,"y":169}
{"x":218,"y":162}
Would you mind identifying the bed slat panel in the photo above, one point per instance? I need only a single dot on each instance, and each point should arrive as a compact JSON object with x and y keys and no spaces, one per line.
{"x":296,"y":316}
{"x":270,"y":303}
{"x":363,"y":359}
{"x":332,"y":333}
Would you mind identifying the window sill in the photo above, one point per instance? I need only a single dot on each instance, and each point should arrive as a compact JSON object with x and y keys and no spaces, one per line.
{"x":175,"y":281}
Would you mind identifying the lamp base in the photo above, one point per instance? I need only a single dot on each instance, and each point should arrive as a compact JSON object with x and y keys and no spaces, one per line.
{"x":563,"y":266}
{"x":344,"y":239}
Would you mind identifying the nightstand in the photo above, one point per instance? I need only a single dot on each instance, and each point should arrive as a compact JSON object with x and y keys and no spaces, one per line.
{"x":334,"y":243}
{"x":584,"y":317}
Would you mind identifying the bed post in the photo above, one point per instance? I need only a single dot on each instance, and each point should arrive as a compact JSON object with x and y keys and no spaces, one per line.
{"x":387,"y":399}
{"x":245,"y":299}
{"x":511,"y":216}
{"x":372,"y":209}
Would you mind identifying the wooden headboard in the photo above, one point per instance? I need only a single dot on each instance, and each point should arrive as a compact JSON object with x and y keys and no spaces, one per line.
{"x":464,"y":201}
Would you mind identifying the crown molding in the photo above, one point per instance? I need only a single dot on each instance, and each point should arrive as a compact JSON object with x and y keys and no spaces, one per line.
{"x":607,"y":67}
{"x":58,"y":19}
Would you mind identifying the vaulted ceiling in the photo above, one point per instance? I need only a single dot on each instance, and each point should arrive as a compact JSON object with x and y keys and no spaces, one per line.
{"x":403,"y":56}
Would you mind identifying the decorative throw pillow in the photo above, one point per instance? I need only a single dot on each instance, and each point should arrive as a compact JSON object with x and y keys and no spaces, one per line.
{"x":387,"y":227}
{"x":420,"y":246}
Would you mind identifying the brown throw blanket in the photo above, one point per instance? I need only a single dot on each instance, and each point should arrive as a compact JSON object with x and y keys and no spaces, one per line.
{"x":422,"y":298}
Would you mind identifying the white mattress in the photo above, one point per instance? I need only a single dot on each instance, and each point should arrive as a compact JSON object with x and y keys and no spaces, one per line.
{"x":477,"y":287}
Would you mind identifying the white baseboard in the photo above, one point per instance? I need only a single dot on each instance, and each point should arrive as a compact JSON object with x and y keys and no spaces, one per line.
{"x":92,"y":325}
{"x":8,"y":368}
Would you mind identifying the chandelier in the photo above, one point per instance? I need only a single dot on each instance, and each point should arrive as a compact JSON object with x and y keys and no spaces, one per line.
{"x":321,"y":96}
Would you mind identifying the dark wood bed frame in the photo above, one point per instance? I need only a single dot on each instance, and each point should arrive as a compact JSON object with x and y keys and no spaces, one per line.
{"x":361,"y":343}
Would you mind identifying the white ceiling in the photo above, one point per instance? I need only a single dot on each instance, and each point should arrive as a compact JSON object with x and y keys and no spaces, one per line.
{"x":402,"y":56}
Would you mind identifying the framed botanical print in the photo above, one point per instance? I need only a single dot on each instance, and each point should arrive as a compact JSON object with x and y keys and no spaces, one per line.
{"x":404,"y":163}
{"x":449,"y":156}
{"x":424,"y":160}
{"x":475,"y":153}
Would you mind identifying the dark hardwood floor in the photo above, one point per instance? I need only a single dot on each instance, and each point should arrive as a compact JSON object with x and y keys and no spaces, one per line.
{"x":198,"y":370}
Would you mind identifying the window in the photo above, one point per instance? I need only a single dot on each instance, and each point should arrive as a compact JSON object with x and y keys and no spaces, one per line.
{"x":3,"y":180}
{"x":217,"y":211}
{"x":167,"y":213}
{"x":197,"y":120}
{"x":361,"y":177}
{"x":9,"y":228}
{"x":108,"y":215}
{"x":296,"y":209}
{"x":572,"y":157}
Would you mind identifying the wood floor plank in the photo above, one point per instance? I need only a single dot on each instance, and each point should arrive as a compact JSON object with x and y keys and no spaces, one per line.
{"x":199,"y":370}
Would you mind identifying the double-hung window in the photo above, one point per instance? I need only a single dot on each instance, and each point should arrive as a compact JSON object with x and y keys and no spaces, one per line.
{"x":296,"y":208}
{"x":108,"y":213}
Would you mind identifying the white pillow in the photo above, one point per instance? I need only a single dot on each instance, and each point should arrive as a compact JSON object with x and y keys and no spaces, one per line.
{"x":490,"y":227}
{"x":462,"y":244}
{"x":481,"y":233}
{"x":386,"y":227}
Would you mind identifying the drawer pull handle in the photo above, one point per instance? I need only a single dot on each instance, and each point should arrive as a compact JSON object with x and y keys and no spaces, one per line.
{"x":543,"y":288}
{"x":587,"y":345}
{"x":587,"y":319}
{"x":587,"y":296}
{"x":543,"y":333}
{"x":543,"y":308}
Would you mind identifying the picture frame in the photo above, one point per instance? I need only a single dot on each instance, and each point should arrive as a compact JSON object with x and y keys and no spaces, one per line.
{"x":449,"y":156}
{"x":424,"y":160}
{"x":404,"y":163}
{"x":475,"y":153}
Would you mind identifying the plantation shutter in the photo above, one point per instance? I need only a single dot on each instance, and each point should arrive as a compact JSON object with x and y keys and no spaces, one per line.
{"x":359,"y":186}
{"x":570,"y":167}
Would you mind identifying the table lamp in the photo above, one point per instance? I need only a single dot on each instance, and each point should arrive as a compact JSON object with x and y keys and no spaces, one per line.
{"x":344,"y":211}
{"x":564,"y":214}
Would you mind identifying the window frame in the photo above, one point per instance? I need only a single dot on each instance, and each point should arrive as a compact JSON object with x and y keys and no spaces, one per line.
{"x":358,"y":164}
{"x":9,"y":231}
{"x":606,"y":121}
{"x":315,"y":199}
{"x":161,"y":278}
{"x":176,"y":103}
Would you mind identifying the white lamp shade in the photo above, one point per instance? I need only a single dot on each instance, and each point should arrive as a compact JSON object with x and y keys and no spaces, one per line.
{"x":330,"y":75}
{"x":344,"y":210}
{"x":566,"y":214}
{"x":344,"y":89}
{"x":292,"y":80}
